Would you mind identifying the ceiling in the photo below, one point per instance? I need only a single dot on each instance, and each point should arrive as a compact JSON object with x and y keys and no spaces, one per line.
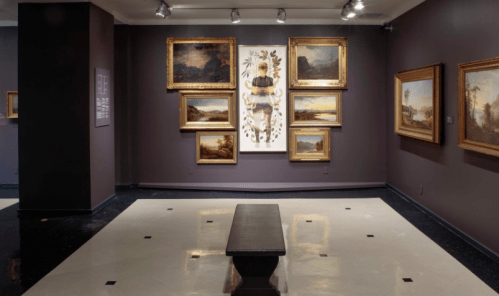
{"x":185,"y":12}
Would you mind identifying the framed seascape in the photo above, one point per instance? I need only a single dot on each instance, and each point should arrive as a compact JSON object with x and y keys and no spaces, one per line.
{"x":479,"y":106}
{"x":315,"y":108}
{"x":418,"y":103}
{"x":318,"y":63}
{"x":216,"y":147}
{"x":309,"y":144}
{"x":262,"y":98}
{"x":207,"y":109}
{"x":12,"y":104}
{"x":201,"y":63}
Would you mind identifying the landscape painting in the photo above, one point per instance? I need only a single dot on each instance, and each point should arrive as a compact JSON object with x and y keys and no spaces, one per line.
{"x":318,"y":63}
{"x":315,"y":108}
{"x":216,"y":147}
{"x":309,"y":144}
{"x":201,"y":63}
{"x":417,"y":104}
{"x":12,"y":104}
{"x":209,"y":109}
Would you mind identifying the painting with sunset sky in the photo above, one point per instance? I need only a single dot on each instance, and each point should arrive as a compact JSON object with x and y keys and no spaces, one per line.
{"x":201,"y":63}
{"x":315,"y":108}
{"x":216,"y":147}
{"x":417,"y":104}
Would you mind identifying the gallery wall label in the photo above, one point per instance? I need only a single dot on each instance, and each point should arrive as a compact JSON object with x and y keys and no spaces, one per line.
{"x":102,"y":97}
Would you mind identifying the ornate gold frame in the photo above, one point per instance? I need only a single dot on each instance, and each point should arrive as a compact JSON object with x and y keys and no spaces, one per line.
{"x":216,"y":161}
{"x":317,"y":123}
{"x":341,"y":83}
{"x":325,"y":156}
{"x":207,"y":125}
{"x":200,"y":85}
{"x":10,"y":105}
{"x":433,"y":72}
{"x":464,"y":143}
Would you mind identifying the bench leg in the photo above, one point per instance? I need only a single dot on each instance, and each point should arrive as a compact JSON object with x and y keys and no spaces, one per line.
{"x":255,"y":273}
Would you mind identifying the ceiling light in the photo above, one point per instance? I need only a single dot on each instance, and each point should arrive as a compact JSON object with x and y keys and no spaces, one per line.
{"x":163,"y":9}
{"x":344,"y":15}
{"x":358,"y":4}
{"x":348,"y":10}
{"x":234,"y":16}
{"x":281,"y":16}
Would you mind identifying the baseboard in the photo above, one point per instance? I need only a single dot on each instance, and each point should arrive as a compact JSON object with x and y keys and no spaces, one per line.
{"x":264,"y":187}
{"x":9,"y":186}
{"x":126,"y":186}
{"x":36,"y":213}
{"x":488,"y":252}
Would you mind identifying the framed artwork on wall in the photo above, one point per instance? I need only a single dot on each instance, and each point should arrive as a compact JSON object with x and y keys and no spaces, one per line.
{"x":262,"y":98}
{"x":418,"y":103}
{"x":102,"y":97}
{"x":207,"y":109}
{"x":309,"y":144}
{"x":318,"y":63}
{"x":12,"y":104}
{"x":478,"y":119}
{"x":216,"y":147}
{"x":201,"y":63}
{"x":315,"y":108}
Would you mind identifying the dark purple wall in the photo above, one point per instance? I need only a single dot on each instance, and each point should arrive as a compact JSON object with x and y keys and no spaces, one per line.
{"x":166,"y":155}
{"x":8,"y":127}
{"x":459,"y":186}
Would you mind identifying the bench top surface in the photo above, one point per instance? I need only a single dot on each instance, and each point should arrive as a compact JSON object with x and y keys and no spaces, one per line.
{"x":256,"y":231}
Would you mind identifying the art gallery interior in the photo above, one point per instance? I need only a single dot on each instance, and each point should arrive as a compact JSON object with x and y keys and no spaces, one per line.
{"x":125,"y":208}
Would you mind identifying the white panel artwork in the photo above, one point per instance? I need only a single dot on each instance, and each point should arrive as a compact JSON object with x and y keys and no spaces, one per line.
{"x":262,"y":98}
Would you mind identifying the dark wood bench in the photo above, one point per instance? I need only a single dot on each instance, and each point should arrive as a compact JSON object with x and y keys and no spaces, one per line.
{"x":256,"y":241}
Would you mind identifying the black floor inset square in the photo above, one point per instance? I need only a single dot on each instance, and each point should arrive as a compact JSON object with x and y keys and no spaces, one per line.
{"x":170,"y":209}
{"x":309,"y":221}
{"x":147,"y":237}
{"x":323,"y":255}
{"x":195,"y":256}
{"x":370,"y":235}
{"x":407,"y":280}
{"x":209,"y":221}
{"x":347,"y":208}
{"x":110,"y":283}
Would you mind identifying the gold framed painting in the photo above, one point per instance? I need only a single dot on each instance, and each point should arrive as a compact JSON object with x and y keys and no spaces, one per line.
{"x":309,"y":144}
{"x":418,"y":103}
{"x":318,"y":63}
{"x":315,"y":108}
{"x":216,"y":147}
{"x":12,"y":104}
{"x":201,"y":63}
{"x":207,"y":109}
{"x":479,"y":106}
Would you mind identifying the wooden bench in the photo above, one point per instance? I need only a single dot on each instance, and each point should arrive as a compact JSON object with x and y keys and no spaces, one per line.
{"x":256,"y":241}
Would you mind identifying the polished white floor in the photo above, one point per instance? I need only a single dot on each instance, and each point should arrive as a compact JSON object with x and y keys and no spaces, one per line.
{"x":355,"y":264}
{"x":7,"y":202}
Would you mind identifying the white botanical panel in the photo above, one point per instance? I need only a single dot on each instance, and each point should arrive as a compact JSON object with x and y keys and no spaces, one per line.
{"x":262,"y":98}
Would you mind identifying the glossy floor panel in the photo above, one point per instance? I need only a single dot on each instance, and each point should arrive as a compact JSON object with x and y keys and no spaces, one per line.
{"x":370,"y":249}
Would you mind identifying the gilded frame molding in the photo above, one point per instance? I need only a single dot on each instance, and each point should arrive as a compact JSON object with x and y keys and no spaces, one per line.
{"x":10,"y":104}
{"x":341,"y":83}
{"x":483,"y":65}
{"x":200,"y":85}
{"x":207,"y":125}
{"x":324,"y":156}
{"x":433,"y":72}
{"x":216,"y":161}
{"x":316,"y":123}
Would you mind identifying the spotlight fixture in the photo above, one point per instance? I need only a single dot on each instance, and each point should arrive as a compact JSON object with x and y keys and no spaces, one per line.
{"x":281,"y":16}
{"x":234,"y":16}
{"x":163,"y":9}
{"x":347,"y":12}
{"x":344,"y":15}
{"x":358,"y":4}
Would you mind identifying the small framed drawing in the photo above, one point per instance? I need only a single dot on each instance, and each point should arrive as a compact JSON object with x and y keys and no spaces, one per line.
{"x":309,"y":144}
{"x":479,"y":106}
{"x":207,"y":109}
{"x":315,"y":108}
{"x":201,"y":63}
{"x":216,"y":147}
{"x":318,"y":63}
{"x":417,"y":103}
{"x":12,"y":104}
